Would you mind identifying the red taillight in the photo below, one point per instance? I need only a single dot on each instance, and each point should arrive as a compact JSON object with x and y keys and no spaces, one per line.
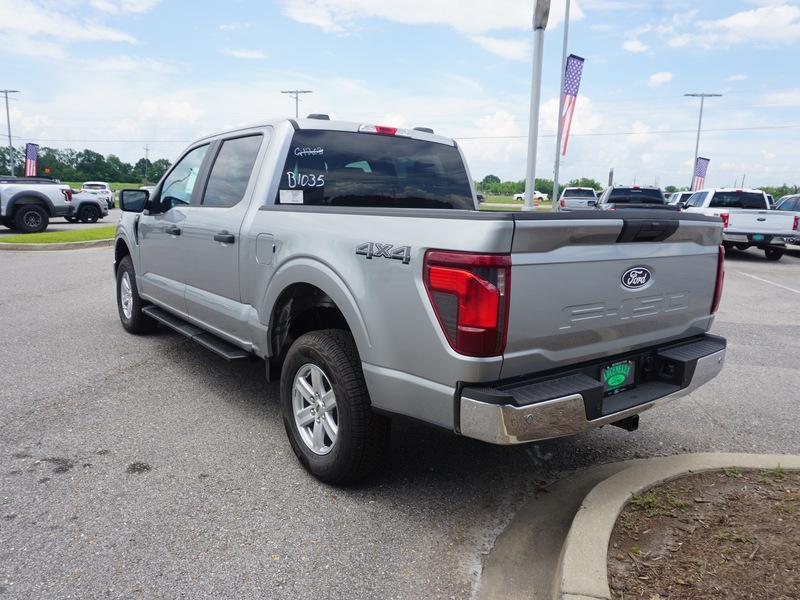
{"x":796,"y":225}
{"x":563,"y":204}
{"x":67,"y":195}
{"x":725,"y":220}
{"x":469,"y":294}
{"x":720,"y":280}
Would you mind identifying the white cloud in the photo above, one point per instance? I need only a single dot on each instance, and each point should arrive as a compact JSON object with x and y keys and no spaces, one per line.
{"x":235,"y":25}
{"x":32,"y":20}
{"x":242,"y":53}
{"x":513,"y":49}
{"x":789,"y":97}
{"x":128,"y":64}
{"x":737,"y":77}
{"x":660,"y":78}
{"x":635,"y":46}
{"x":773,"y":23}
{"x":471,"y":17}
{"x":123,"y":6}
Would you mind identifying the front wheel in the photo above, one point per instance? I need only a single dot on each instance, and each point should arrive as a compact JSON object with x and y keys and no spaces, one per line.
{"x":326,"y":409}
{"x":773,"y":253}
{"x":89,"y":213}
{"x":129,"y":304}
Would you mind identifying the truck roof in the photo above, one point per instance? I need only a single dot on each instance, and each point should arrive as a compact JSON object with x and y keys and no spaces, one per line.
{"x":328,"y":125}
{"x":730,"y":189}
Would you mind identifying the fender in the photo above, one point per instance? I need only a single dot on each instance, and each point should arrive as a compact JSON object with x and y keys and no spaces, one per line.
{"x":24,"y":194}
{"x":307,"y":270}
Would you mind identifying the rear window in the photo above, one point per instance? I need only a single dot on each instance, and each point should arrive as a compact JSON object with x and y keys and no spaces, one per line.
{"x":336,"y":168}
{"x":636,"y":196}
{"x":580,"y":193}
{"x":94,"y":186}
{"x":752,"y":200}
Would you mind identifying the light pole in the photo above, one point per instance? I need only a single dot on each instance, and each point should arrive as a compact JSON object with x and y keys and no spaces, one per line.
{"x":296,"y":94}
{"x":556,"y":205}
{"x":702,"y":97}
{"x":8,"y":122}
{"x":540,"y":14}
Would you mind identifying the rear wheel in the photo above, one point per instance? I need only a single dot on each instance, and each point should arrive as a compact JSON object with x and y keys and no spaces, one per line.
{"x":727,"y":245}
{"x":31,"y":218}
{"x":129,"y":304}
{"x":742,"y":247}
{"x":773,"y":253}
{"x":89,"y":213}
{"x":326,"y":409}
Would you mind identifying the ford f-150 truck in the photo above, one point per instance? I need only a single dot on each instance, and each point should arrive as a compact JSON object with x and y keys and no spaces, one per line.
{"x":353,"y":258}
{"x":28,"y":203}
{"x":747,"y":219}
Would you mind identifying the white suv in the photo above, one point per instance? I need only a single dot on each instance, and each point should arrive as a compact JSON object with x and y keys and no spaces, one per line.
{"x":100,"y":189}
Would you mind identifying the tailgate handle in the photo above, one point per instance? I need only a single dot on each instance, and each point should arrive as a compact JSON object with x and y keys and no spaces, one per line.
{"x":647,"y":230}
{"x":762,"y":218}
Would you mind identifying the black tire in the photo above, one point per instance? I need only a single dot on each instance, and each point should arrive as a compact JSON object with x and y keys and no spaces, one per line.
{"x":70,"y":219}
{"x":8,"y":222}
{"x":363,"y":436}
{"x":773,"y":253}
{"x":138,"y":322}
{"x":89,"y":213}
{"x":742,"y":247}
{"x":31,"y":218}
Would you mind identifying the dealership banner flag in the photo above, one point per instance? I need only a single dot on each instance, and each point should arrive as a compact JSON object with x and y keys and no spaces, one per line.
{"x":31,"y":154}
{"x":700,"y":169}
{"x":572,"y":83}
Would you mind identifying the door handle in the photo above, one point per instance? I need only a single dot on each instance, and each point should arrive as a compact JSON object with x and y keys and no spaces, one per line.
{"x":224,"y":237}
{"x":173,"y":230}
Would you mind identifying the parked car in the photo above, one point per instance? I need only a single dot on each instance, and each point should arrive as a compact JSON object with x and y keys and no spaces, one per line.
{"x":771,"y":201}
{"x":537,"y":195}
{"x":28,"y":203}
{"x":578,"y":198}
{"x":354,"y":258}
{"x":790,"y":204}
{"x":87,"y":208}
{"x":100,"y":189}
{"x":480,"y":197}
{"x":634,"y":196}
{"x":747,"y":219}
{"x":678,"y":198}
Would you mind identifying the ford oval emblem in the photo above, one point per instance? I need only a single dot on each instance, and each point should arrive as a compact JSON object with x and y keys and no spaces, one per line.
{"x":636,"y":278}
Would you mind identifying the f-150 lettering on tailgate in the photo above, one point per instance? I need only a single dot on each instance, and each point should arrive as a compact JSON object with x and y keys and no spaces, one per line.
{"x":599,"y":313}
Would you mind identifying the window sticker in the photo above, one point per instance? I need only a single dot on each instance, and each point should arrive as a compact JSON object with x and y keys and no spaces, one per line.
{"x":291,"y":196}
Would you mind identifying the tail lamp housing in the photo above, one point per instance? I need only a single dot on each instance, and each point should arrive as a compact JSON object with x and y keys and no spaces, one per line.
{"x":796,"y":225}
{"x":470,"y":294}
{"x":726,"y":218}
{"x":67,"y":194}
{"x":720,"y":280}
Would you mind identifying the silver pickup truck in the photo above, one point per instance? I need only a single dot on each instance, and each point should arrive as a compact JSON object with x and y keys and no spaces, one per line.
{"x":28,"y":203}
{"x":352,"y":258}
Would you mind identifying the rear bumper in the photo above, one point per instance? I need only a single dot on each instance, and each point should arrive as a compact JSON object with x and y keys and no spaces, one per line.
{"x":766,"y":239}
{"x":572,"y":401}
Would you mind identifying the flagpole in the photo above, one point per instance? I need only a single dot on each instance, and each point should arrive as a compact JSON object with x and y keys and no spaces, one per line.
{"x":555,"y":205}
{"x":541,"y":12}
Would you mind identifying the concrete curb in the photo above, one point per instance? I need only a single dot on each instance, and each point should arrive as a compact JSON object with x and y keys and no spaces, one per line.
{"x":61,"y":246}
{"x":583,"y":571}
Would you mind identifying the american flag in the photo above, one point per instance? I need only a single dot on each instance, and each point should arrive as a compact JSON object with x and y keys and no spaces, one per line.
{"x":572,"y":82}
{"x":31,"y":154}
{"x":700,"y":168}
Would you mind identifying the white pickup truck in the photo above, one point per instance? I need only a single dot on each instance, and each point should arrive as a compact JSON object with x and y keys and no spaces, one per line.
{"x":28,"y":203}
{"x":747,"y":219}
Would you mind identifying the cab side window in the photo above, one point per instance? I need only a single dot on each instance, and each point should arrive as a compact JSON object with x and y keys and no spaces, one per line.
{"x":231,"y":172}
{"x":696,"y":200}
{"x":179,"y":184}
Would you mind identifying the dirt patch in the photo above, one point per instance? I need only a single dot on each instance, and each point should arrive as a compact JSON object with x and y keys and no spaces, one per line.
{"x":723,"y":534}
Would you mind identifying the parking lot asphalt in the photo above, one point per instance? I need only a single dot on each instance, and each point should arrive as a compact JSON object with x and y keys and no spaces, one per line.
{"x":149,"y":467}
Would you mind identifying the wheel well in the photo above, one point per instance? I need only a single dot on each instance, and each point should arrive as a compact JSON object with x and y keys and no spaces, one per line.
{"x":28,"y":201}
{"x":120,"y":251}
{"x":302,"y":308}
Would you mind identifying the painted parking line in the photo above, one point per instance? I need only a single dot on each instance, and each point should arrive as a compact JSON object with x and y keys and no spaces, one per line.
{"x":761,"y":279}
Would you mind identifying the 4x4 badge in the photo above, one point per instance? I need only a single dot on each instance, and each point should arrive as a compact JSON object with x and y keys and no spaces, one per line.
{"x":378,"y":250}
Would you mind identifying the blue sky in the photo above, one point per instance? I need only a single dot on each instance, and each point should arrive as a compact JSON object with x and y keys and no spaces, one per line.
{"x":112,"y":75}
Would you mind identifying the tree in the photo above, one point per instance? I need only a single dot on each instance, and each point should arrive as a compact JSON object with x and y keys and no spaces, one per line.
{"x":488,"y":180}
{"x":158,"y":168}
{"x":670,"y":189}
{"x":585,"y":182}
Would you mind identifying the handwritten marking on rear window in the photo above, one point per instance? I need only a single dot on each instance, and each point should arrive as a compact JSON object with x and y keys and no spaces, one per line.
{"x":304,"y":180}
{"x":306,"y":151}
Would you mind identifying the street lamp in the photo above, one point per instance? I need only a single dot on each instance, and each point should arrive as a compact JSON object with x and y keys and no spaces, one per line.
{"x":702,"y":97}
{"x":541,"y":12}
{"x":296,"y":94}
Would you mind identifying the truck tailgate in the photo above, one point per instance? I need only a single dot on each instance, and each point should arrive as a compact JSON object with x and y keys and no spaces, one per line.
{"x":759,"y":221}
{"x":568,"y":303}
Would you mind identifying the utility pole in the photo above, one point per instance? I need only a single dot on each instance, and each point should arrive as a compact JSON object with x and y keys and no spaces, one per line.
{"x":146,"y":160}
{"x":8,"y":123}
{"x":541,"y":12}
{"x":557,"y":205}
{"x":702,"y":97}
{"x":296,"y":94}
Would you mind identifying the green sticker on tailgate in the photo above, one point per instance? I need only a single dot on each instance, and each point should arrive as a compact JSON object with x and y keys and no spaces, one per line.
{"x":617,"y":375}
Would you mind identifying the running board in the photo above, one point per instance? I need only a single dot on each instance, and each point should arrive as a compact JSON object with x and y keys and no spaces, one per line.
{"x":208,"y":340}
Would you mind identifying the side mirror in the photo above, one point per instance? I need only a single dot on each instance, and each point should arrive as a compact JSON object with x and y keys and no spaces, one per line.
{"x":133,"y":200}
